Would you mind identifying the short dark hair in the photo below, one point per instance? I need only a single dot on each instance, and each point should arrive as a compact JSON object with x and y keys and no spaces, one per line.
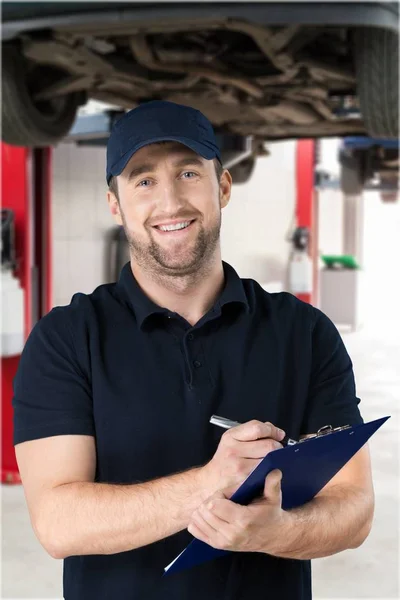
{"x":113,"y":185}
{"x":218,"y":169}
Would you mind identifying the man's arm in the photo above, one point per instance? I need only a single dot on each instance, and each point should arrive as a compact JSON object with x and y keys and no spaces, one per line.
{"x":338,"y":518}
{"x":72,"y":515}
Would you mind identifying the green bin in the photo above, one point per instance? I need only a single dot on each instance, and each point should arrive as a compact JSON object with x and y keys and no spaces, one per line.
{"x":344,"y":261}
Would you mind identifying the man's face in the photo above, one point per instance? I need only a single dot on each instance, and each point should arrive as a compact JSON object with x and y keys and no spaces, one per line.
{"x":164,"y":187}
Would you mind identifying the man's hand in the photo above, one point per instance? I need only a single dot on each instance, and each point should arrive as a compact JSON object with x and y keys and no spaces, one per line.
{"x":229,"y":526}
{"x":239,"y":451}
{"x":339,"y":517}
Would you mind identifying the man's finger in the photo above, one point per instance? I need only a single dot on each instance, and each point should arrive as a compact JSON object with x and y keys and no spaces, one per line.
{"x":272,"y":485}
{"x":218,"y":495}
{"x":198,"y":533}
{"x":226,"y":510}
{"x":208,"y":528}
{"x":258,"y":448}
{"x":255,"y":430}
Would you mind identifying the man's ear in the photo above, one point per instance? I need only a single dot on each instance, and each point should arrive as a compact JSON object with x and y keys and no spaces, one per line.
{"x":114,"y":207}
{"x":225,"y":187}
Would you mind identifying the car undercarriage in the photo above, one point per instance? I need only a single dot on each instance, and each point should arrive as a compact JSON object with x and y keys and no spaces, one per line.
{"x":279,"y":80}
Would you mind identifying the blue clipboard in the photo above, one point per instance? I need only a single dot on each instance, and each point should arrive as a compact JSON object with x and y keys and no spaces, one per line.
{"x":306,"y":468}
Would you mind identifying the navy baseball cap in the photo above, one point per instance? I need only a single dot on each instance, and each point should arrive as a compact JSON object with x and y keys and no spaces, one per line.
{"x":159,"y":121}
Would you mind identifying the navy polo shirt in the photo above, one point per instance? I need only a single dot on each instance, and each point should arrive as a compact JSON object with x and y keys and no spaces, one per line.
{"x":144,"y":383}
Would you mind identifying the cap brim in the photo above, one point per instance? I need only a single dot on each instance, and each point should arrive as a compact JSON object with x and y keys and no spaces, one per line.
{"x":201,"y":149}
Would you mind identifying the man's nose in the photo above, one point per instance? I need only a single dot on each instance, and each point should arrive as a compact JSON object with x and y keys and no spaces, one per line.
{"x":170,"y":199}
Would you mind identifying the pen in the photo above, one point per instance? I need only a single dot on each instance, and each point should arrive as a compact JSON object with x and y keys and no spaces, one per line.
{"x":228,"y":424}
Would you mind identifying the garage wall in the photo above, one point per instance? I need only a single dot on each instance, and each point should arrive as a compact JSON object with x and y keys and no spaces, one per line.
{"x":381,"y":262}
{"x":254,"y":223}
{"x":80,"y":220}
{"x":330,"y":213}
{"x":330,"y":222}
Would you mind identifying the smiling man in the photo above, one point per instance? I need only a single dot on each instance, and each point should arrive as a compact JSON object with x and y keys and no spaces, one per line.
{"x":169,"y":200}
{"x":114,"y":394}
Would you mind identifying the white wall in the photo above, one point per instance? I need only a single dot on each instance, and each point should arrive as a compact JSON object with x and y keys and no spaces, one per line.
{"x":330,"y":202}
{"x":81,"y":219}
{"x":330,"y":222}
{"x":382,"y":260}
{"x":256,"y":221}
{"x":254,"y":224}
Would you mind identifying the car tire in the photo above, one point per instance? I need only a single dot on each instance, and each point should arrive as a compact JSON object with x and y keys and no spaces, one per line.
{"x":376,"y":54}
{"x":242,"y":172}
{"x":24,"y":121}
{"x":352,"y":174}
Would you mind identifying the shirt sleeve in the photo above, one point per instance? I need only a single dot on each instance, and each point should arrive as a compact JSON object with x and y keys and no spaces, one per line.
{"x":332,"y":396}
{"x":52,"y":395}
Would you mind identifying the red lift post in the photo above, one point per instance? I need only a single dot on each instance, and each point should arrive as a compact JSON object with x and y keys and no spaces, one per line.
{"x":26,"y":190}
{"x":307,"y":210}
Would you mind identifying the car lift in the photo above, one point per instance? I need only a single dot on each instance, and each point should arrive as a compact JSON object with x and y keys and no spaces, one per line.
{"x":26,"y":190}
{"x":303,"y":263}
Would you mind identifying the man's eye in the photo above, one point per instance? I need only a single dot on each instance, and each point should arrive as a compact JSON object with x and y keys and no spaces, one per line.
{"x":189,"y":173}
{"x":143,"y":181}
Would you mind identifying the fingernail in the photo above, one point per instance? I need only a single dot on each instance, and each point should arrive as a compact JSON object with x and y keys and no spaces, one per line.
{"x":281,"y":433}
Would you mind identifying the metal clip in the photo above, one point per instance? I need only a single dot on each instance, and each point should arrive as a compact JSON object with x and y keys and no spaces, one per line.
{"x":325,"y":430}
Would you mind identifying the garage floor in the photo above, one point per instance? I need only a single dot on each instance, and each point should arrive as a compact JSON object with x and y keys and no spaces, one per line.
{"x":368,"y":572}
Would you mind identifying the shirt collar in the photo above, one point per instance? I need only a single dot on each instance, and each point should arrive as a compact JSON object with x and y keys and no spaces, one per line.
{"x":232,"y":293}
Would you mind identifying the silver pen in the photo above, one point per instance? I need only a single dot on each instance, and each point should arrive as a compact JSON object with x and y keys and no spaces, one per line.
{"x":222,"y":422}
{"x":228,"y":424}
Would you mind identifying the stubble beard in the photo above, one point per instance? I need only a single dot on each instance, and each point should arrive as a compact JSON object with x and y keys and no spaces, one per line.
{"x":189,"y":265}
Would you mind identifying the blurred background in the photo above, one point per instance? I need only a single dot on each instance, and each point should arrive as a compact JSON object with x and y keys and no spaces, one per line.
{"x":303,"y":98}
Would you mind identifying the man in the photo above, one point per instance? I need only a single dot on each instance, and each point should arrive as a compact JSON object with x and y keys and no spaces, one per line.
{"x":114,"y":393}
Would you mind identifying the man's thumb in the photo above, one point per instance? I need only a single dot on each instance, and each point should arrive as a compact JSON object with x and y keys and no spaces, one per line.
{"x":272,"y":485}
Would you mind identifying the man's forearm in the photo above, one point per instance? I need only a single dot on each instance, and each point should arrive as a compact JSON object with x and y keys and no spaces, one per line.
{"x":337,"y":520}
{"x":95,"y":518}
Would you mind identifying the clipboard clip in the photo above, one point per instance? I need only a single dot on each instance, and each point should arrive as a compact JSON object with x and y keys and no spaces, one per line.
{"x":325,"y":430}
